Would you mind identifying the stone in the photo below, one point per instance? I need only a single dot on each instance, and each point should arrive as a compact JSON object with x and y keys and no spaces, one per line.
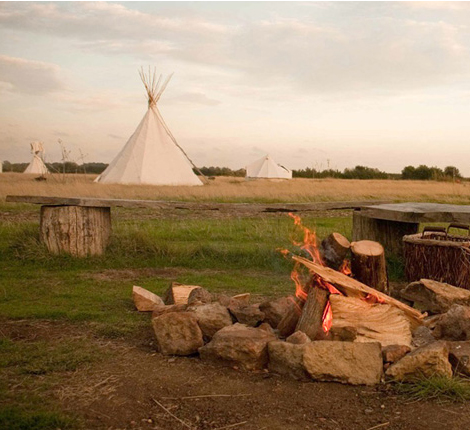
{"x":287,"y":359}
{"x":422,"y":336}
{"x":144,"y":300}
{"x":454,"y":324}
{"x":298,"y":338}
{"x":424,"y":362}
{"x":199,"y":295}
{"x":249,"y":315}
{"x":345,"y":362}
{"x":238,"y":345}
{"x":436,"y":297}
{"x":177,"y":333}
{"x":459,"y":357}
{"x":267,"y":328}
{"x":393,"y":353}
{"x":165,"y":309}
{"x":343,"y":333}
{"x":211,"y":317}
{"x":274,"y":310}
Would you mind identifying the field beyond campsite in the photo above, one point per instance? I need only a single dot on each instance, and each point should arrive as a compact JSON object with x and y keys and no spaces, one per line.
{"x":74,"y":353}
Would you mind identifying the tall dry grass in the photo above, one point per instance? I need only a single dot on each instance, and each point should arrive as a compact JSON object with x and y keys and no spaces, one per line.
{"x":227,"y":189}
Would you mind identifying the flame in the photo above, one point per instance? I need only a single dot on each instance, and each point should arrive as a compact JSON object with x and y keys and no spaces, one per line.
{"x":299,"y":288}
{"x":309,"y":244}
{"x":345,"y":268}
{"x":372,"y":298}
{"x":327,"y":320}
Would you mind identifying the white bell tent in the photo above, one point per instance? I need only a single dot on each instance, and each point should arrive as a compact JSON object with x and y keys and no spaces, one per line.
{"x":151,"y":155}
{"x":37,"y":166}
{"x":267,"y":168}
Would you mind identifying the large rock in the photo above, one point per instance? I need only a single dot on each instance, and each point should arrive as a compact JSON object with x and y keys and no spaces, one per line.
{"x":345,"y":362}
{"x":459,"y":357}
{"x":274,"y":310}
{"x":144,"y":300}
{"x":177,"y":333}
{"x":427,"y":361}
{"x":211,"y":317}
{"x":393,"y":353}
{"x":239,"y":345}
{"x":454,"y":324}
{"x":199,"y":295}
{"x":249,"y":315}
{"x":422,"y":336}
{"x":298,"y":338}
{"x":287,"y":359}
{"x":436,"y":297}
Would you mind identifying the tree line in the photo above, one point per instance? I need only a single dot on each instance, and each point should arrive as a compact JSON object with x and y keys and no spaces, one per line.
{"x":421,"y":172}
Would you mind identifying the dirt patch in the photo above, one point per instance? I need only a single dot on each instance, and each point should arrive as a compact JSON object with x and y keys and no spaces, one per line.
{"x":134,"y":387}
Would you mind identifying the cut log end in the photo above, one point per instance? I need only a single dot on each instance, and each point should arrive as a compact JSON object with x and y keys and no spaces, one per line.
{"x":367,"y":247}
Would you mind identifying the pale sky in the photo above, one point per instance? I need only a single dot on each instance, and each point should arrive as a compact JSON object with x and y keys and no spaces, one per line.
{"x":381,"y":84}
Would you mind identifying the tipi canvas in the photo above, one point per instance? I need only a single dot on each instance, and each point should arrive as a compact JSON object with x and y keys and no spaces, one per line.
{"x":267,"y":168}
{"x":151,"y":155}
{"x":37,"y":166}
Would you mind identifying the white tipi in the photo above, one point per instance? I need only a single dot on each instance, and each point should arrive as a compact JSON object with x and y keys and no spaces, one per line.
{"x":37,"y":166}
{"x":151,"y":155}
{"x":267,"y":168}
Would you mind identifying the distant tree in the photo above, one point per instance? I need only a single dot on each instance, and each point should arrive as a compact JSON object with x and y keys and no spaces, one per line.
{"x":452,"y":172}
{"x":408,"y":172}
{"x":362,"y":172}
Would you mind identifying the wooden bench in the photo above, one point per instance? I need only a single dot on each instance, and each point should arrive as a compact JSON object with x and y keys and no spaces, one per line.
{"x":388,"y":223}
{"x":81,"y":226}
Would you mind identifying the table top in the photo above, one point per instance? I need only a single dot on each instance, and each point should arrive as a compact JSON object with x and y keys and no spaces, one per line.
{"x":189,"y":205}
{"x":418,"y":212}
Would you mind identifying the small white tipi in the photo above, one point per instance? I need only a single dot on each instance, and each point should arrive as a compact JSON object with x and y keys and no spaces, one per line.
{"x":267,"y":168}
{"x":37,"y":166}
{"x":151,"y":155}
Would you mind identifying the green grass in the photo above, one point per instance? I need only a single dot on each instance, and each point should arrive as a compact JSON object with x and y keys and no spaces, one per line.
{"x":234,"y":255}
{"x":456,"y":389}
{"x":16,"y":418}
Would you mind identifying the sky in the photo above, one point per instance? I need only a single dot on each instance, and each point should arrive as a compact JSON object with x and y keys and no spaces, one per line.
{"x":314,"y":84}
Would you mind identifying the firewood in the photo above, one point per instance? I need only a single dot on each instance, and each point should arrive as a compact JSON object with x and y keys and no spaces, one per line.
{"x":334,"y":249}
{"x":435,"y":297}
{"x":289,"y":321}
{"x":177,"y":294}
{"x":368,"y":264}
{"x":374,"y":322}
{"x":310,"y":321}
{"x":353,"y":288}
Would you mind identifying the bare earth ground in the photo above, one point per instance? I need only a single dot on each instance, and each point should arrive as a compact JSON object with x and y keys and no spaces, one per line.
{"x":121,"y":391}
{"x":131,"y":386}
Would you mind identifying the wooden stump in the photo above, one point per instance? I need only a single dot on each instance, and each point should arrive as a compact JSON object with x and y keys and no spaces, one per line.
{"x":388,"y":233}
{"x":368,"y":264}
{"x":77,"y":230}
{"x":334,"y":249}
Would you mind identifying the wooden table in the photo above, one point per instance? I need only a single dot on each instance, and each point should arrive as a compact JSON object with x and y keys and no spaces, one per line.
{"x":388,"y":223}
{"x":81,"y":226}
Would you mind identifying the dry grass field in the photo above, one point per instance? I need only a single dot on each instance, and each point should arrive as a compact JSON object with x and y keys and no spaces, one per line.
{"x":230,"y":189}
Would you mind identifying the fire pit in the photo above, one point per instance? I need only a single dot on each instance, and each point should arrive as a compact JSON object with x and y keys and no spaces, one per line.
{"x":341,"y":325}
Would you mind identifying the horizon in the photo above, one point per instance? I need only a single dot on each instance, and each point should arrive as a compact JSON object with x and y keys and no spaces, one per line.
{"x":314,"y":84}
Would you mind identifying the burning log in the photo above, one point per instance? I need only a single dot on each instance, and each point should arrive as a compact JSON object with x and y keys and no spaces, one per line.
{"x":310,"y":321}
{"x":375,"y":322}
{"x":289,"y":321}
{"x":353,"y":288}
{"x":368,"y":264}
{"x":334,"y":249}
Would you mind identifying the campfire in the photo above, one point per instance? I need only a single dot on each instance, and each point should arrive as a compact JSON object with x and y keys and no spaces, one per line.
{"x":341,"y":324}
